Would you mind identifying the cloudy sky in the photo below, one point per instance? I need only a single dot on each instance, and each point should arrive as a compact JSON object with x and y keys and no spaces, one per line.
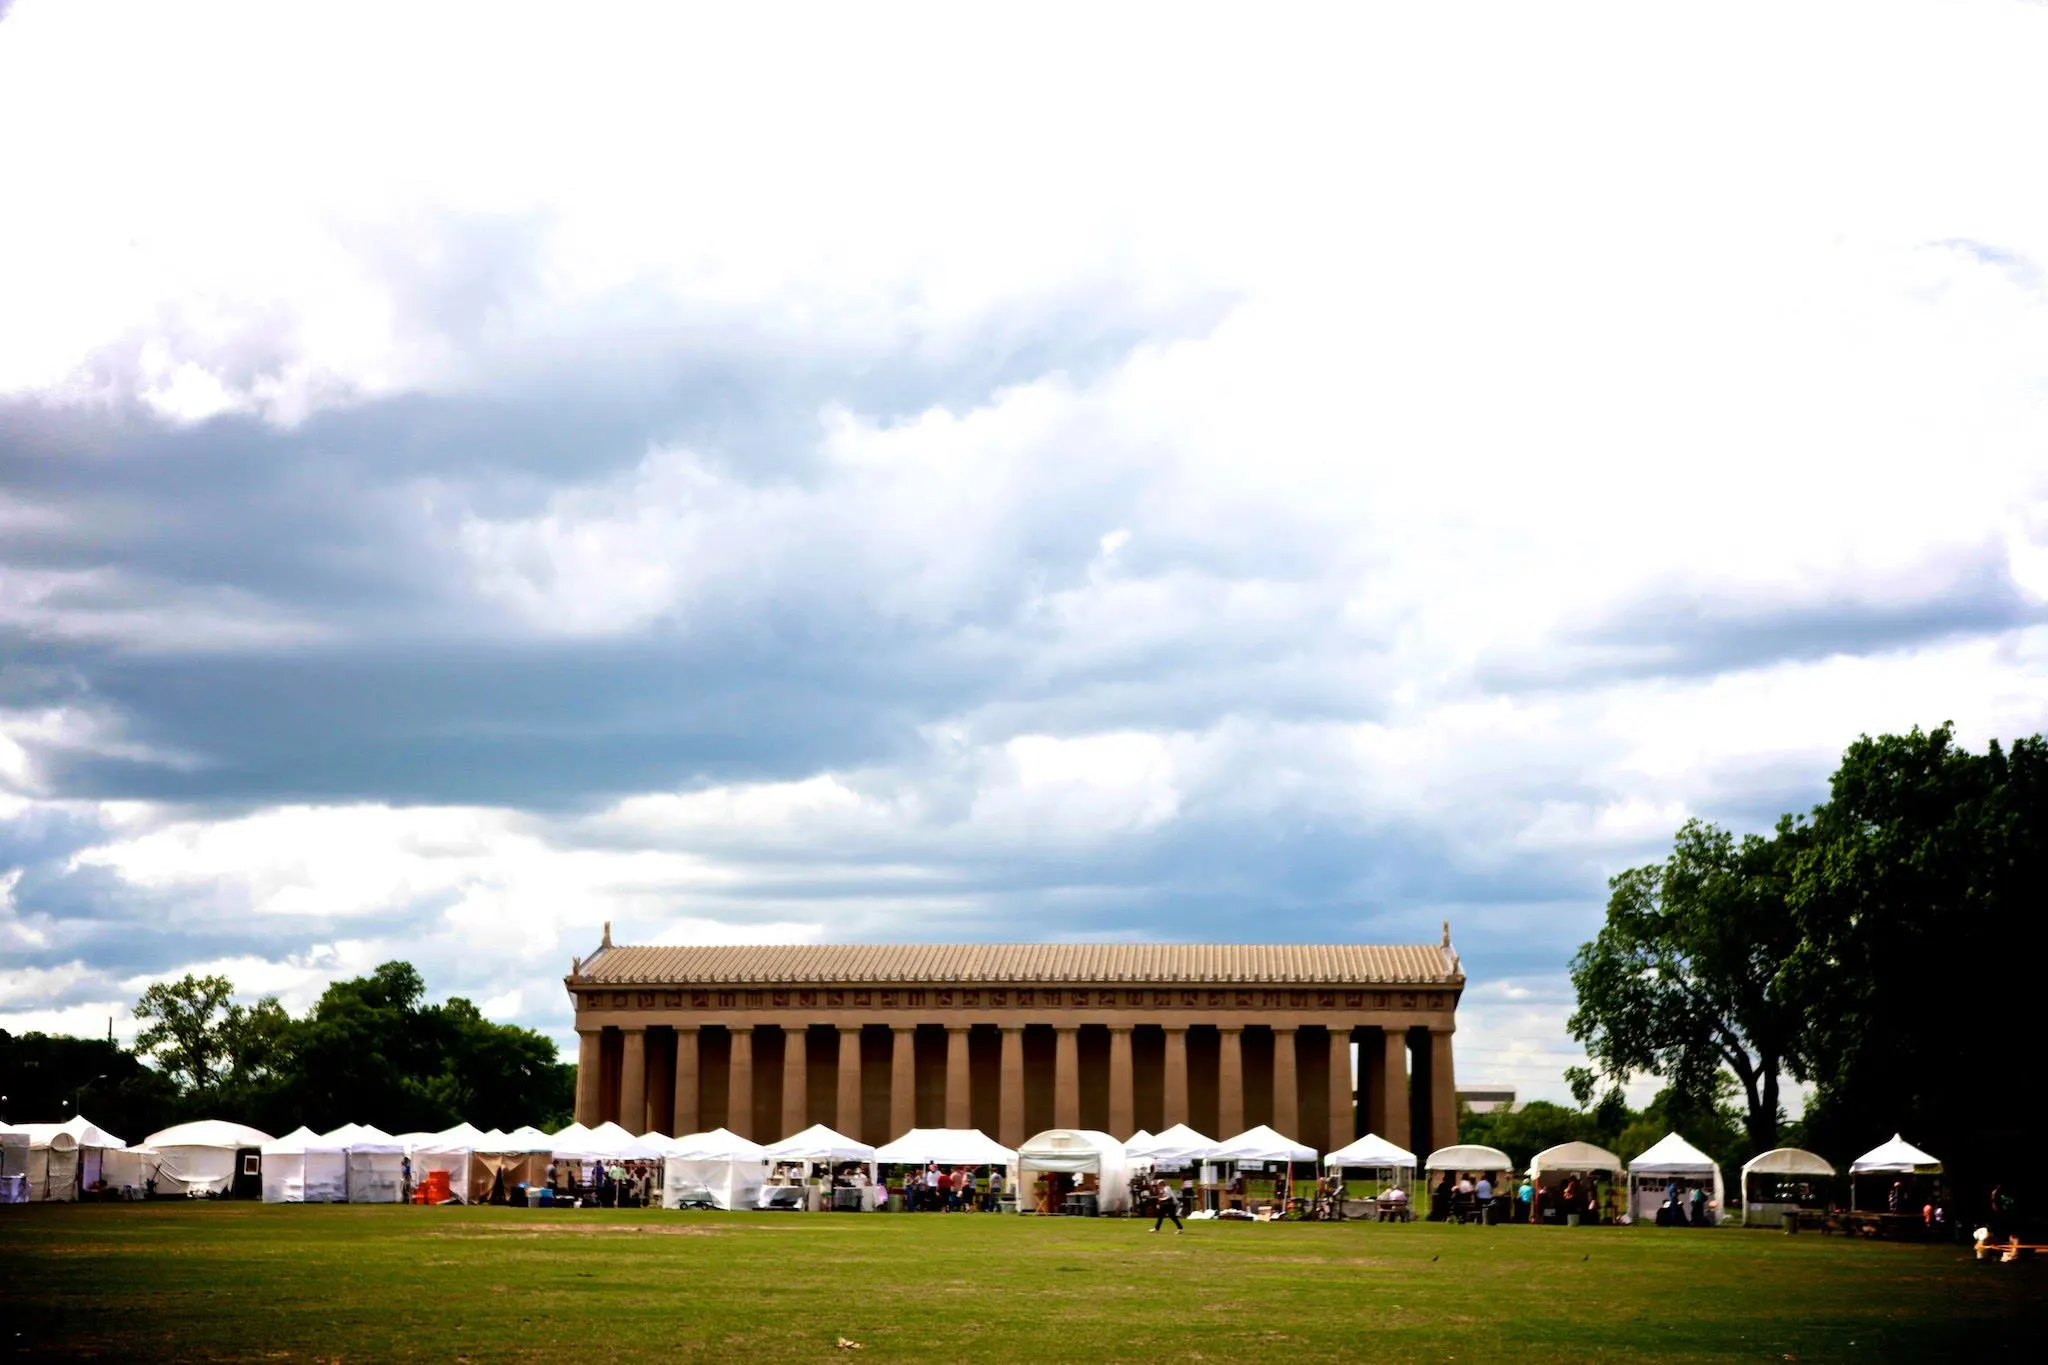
{"x":853,"y":474}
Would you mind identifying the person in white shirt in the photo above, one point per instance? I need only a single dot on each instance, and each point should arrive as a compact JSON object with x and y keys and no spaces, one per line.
{"x":1464,"y":1183}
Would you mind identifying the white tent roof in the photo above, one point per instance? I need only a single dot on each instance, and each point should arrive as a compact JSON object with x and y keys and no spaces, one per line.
{"x":1673,"y":1154}
{"x":947,"y":1146}
{"x":208,"y":1133}
{"x":717,"y":1145}
{"x":1786,"y":1161}
{"x":301,"y":1140}
{"x":519,"y":1140}
{"x":1371,"y":1150}
{"x":526,"y":1132}
{"x":1470,"y":1156}
{"x":1578,"y":1156}
{"x":363,"y":1137}
{"x":1178,"y":1143}
{"x":1895,"y":1157}
{"x":78,"y":1128}
{"x":1261,"y":1144}
{"x":819,"y":1143}
{"x":409,"y":1141}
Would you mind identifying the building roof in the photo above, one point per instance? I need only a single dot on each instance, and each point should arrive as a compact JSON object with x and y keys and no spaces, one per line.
{"x":1300,"y":964}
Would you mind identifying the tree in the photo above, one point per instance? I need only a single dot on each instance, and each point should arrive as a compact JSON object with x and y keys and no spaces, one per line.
{"x":50,"y":1077}
{"x":188,"y":1028}
{"x":1685,"y":977}
{"x":1919,"y":899}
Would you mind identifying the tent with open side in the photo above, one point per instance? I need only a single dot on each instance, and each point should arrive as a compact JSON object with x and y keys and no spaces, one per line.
{"x":302,"y":1167}
{"x":1895,"y":1158}
{"x":65,"y":1157}
{"x":714,"y":1170}
{"x":1374,"y":1153}
{"x":1785,"y":1175}
{"x":210,"y":1157}
{"x":1671,"y":1160}
{"x":1080,"y":1152}
{"x":947,"y":1147}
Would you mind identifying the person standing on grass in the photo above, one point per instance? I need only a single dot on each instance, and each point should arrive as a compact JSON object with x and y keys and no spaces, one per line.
{"x":1164,"y":1208}
{"x":405,"y":1176}
{"x":1484,"y":1193}
{"x":995,"y":1189}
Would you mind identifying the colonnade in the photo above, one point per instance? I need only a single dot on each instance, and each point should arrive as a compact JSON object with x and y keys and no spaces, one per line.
{"x":877,"y":1081}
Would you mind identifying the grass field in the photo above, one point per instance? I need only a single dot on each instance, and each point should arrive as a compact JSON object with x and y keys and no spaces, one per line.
{"x":247,"y":1282}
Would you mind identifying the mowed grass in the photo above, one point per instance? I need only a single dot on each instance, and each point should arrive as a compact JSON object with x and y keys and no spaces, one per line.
{"x":246,"y":1282}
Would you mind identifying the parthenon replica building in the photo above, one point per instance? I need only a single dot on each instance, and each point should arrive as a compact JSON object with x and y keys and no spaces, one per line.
{"x":1014,"y":1039}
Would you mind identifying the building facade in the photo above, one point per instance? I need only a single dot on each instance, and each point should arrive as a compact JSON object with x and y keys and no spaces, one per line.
{"x":1323,"y":1043}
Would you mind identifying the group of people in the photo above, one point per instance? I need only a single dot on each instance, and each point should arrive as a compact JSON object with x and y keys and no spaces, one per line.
{"x":951,"y":1191}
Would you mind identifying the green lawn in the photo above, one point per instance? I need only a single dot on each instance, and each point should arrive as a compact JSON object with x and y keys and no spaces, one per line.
{"x":222,"y":1281}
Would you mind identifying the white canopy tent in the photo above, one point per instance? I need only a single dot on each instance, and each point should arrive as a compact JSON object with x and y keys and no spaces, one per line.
{"x":1670,"y":1160}
{"x":200,"y":1157}
{"x":1172,"y":1149}
{"x":718,"y":1169}
{"x":302,"y":1167}
{"x":947,"y":1147}
{"x":1470,"y":1156}
{"x":376,"y":1164}
{"x":1895,"y":1158}
{"x":1783,"y":1167}
{"x":819,"y":1143}
{"x":1078,"y":1152}
{"x":1575,"y":1158}
{"x":65,"y":1157}
{"x":1374,"y":1153}
{"x":1262,"y":1144}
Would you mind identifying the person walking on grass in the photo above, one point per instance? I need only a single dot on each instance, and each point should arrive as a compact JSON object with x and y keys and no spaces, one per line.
{"x":1164,"y":1206}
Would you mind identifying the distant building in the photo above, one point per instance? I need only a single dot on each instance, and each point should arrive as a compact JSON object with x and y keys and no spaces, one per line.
{"x":1485,"y":1101}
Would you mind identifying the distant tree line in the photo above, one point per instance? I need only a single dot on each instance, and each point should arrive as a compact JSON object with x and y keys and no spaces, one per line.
{"x":369,"y":1051}
{"x":1875,"y":949}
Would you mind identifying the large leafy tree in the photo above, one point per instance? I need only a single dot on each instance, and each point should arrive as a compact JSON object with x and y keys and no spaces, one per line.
{"x":1686,"y":977}
{"x":1920,"y":900}
{"x":189,"y":1023}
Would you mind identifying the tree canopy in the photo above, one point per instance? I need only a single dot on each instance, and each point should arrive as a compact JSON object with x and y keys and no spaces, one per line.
{"x":1863,"y":948}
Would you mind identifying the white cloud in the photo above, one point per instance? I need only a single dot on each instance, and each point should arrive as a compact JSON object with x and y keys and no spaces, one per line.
{"x":1504,"y":436}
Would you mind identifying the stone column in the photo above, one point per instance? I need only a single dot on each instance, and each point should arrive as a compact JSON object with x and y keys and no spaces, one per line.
{"x":739,"y":1091}
{"x":959,"y":1095}
{"x":902,"y":1079}
{"x":1230,"y":1083}
{"x":1066,"y":1077}
{"x":633,"y":1083}
{"x":1342,"y":1117}
{"x":846,"y":1114}
{"x":1443,"y":1091}
{"x":1176,"y":1076}
{"x":1010,"y":1118}
{"x":1123,"y":1100}
{"x":589,"y":1072}
{"x":686,"y":1080}
{"x":1394,"y":1089}
{"x":796,"y":1079}
{"x":1286,"y":1090}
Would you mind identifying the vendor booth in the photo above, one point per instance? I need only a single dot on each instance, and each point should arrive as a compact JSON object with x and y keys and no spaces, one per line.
{"x":376,"y":1164}
{"x":714,"y":1170}
{"x":210,"y":1159}
{"x":303,"y":1167}
{"x":1568,"y":1178}
{"x":1662,"y":1179}
{"x":1255,"y":1170}
{"x":1390,"y":1175}
{"x":816,"y":1160}
{"x":948,"y":1149}
{"x":478,"y":1167}
{"x":1441,"y":1202}
{"x":1895,"y":1164}
{"x":1078,"y":1170}
{"x":1782,"y":1182}
{"x":64,"y":1158}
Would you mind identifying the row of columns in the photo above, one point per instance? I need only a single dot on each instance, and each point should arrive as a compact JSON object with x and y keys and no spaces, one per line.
{"x":1390,"y":1112}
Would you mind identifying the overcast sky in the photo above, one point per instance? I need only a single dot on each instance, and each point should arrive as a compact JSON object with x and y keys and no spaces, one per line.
{"x":847,"y":474}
